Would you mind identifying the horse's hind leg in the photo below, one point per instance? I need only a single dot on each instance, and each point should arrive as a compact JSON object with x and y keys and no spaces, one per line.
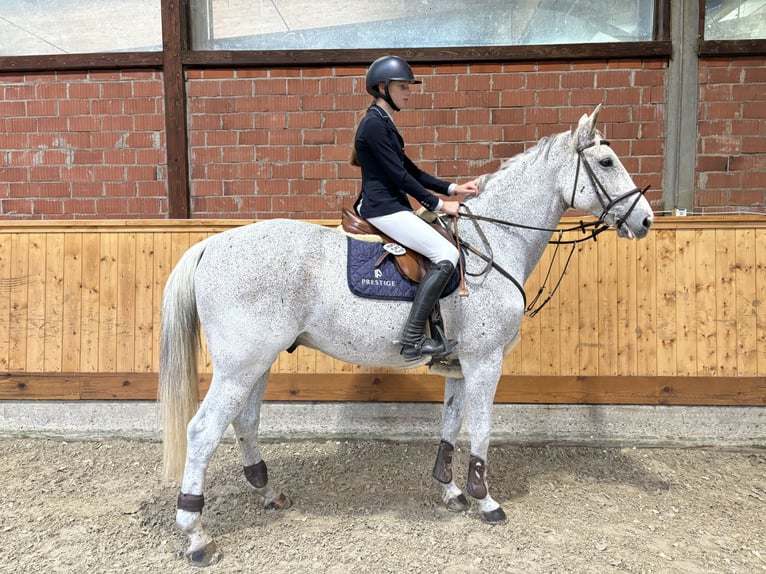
{"x":246,"y":428}
{"x":223,"y":402}
{"x":452,"y":419}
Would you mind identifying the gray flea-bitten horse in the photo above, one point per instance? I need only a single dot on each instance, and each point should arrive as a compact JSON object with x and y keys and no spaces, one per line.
{"x":262,"y":288}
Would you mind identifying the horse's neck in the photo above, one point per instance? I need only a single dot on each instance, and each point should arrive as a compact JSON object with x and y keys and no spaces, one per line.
{"x":527,"y":196}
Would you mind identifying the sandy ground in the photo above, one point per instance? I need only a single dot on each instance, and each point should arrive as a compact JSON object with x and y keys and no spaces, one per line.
{"x":372,"y":506}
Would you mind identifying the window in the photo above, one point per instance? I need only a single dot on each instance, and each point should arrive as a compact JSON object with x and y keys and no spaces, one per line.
{"x":735,"y":19}
{"x":368,"y":24}
{"x":42,"y":27}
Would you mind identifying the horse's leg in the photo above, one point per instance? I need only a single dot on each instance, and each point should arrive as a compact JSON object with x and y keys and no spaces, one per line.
{"x":222,"y":403}
{"x":246,"y":428}
{"x":452,"y":419}
{"x":481,"y":378}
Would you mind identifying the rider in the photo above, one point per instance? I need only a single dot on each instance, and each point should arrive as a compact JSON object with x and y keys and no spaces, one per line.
{"x":388,"y":178}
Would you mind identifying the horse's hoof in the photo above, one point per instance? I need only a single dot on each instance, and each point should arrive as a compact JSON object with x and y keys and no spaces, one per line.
{"x":280,"y":503}
{"x":496,"y":516}
{"x":458,"y":503}
{"x":205,"y":556}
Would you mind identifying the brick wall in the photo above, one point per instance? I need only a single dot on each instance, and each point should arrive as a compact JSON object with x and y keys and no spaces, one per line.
{"x":731,"y":147}
{"x":276,"y":142}
{"x":82,"y":145}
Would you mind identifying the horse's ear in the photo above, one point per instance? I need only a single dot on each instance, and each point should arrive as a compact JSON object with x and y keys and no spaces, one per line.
{"x":586,"y":128}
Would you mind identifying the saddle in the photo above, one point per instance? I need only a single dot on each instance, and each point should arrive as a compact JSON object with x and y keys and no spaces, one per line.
{"x":410,"y":264}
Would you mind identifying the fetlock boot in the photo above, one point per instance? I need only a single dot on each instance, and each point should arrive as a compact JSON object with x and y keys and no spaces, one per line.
{"x":414,"y":342}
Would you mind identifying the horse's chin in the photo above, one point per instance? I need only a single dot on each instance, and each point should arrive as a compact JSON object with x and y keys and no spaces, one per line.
{"x":625,"y":232}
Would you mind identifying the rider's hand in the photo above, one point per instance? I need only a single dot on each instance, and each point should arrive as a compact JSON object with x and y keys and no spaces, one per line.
{"x":450,"y":208}
{"x":467,"y":189}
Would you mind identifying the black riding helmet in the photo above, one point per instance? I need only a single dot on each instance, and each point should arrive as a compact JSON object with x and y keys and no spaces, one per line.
{"x":387,"y":69}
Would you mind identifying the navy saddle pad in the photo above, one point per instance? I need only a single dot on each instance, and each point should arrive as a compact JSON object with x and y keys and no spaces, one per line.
{"x":385,"y":281}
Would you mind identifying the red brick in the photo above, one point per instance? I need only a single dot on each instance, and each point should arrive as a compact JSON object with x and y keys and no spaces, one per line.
{"x":221,"y":138}
{"x":754,"y":109}
{"x":547,"y":81}
{"x":753,"y":145}
{"x":754,"y":179}
{"x":612,"y":79}
{"x":85,"y":123}
{"x":747,"y":197}
{"x":519,"y":99}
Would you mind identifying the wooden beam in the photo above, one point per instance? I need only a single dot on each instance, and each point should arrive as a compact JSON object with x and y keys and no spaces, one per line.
{"x":174,"y":39}
{"x":524,"y":53}
{"x":70,"y":62}
{"x":403,"y":387}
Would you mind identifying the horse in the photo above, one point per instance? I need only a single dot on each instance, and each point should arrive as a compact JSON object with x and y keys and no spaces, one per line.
{"x":269,"y":286}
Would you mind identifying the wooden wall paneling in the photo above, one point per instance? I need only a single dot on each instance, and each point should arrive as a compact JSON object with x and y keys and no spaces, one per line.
{"x":759,"y":304}
{"x":7,"y":283}
{"x":626,"y":292}
{"x":666,"y":302}
{"x":686,"y":303}
{"x":587,"y":350}
{"x":35,"y":356}
{"x":726,"y":308}
{"x":705,"y":302}
{"x":608,"y":342}
{"x":550,"y":317}
{"x":53,"y":323}
{"x":646,"y":340}
{"x":566,"y":305}
{"x":746,"y":303}
{"x":72,"y":310}
{"x":107,"y":303}
{"x":145,"y":336}
{"x":125,"y":331}
{"x":91,"y":295}
{"x":76,"y":299}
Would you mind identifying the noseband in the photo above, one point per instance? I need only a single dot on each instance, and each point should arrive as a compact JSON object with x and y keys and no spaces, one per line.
{"x":606,"y":201}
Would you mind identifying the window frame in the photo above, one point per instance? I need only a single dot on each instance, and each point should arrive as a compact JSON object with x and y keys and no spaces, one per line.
{"x":752,"y":47}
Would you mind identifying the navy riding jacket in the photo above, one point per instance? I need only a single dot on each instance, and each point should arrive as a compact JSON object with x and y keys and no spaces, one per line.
{"x":388,"y":175}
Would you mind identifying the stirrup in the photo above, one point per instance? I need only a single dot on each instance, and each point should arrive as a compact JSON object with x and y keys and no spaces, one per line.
{"x":427,"y":347}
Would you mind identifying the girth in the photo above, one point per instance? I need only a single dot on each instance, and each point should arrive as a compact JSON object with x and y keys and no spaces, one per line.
{"x":411,"y":264}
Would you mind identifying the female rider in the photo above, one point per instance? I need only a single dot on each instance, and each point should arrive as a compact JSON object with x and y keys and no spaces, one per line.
{"x":388,"y":178}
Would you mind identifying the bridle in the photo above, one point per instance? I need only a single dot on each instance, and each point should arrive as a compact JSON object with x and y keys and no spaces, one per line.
{"x":599,"y":226}
{"x":606,"y":201}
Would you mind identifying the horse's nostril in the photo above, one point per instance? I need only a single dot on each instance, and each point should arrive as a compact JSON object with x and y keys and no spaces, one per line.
{"x":648,"y":222}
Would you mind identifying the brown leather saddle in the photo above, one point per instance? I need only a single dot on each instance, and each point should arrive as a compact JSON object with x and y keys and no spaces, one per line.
{"x":410,"y":264}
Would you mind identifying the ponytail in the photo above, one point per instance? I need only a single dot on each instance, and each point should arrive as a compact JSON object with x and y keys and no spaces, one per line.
{"x":353,"y":160}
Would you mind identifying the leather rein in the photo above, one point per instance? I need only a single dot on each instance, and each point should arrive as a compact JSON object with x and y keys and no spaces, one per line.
{"x":596,"y":228}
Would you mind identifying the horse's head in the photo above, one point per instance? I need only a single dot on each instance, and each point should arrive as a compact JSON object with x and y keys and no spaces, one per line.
{"x":603,"y":186}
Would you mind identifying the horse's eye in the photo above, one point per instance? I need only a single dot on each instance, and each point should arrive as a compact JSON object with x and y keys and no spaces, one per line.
{"x":606,"y":162}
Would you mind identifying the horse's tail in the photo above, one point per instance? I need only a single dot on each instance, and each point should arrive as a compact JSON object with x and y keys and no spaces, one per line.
{"x":178,"y":394}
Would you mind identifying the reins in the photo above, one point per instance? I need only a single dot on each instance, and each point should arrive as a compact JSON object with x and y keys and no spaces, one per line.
{"x":598,"y":227}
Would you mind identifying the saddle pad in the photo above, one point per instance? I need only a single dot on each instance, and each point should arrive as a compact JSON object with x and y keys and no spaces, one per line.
{"x":383,"y":282}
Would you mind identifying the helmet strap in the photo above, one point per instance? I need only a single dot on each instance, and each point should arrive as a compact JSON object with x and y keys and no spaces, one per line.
{"x":389,"y":99}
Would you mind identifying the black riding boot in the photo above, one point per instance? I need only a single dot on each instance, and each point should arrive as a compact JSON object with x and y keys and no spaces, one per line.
{"x":414,"y":342}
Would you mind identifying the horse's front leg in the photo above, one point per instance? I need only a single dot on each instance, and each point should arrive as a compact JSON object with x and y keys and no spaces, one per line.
{"x":246,"y":428}
{"x":481,"y":378}
{"x":452,"y":419}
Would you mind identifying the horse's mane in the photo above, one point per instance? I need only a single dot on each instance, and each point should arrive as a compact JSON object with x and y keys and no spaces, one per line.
{"x":540,"y":150}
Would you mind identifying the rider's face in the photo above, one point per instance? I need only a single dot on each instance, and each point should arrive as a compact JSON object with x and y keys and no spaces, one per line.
{"x":400,"y":93}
